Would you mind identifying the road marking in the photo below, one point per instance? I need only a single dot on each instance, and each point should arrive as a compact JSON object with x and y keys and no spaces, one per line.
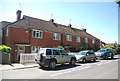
{"x":69,"y":71}
{"x":104,"y":63}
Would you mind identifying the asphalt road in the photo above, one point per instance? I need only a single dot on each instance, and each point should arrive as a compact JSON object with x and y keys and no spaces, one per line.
{"x":101,"y":69}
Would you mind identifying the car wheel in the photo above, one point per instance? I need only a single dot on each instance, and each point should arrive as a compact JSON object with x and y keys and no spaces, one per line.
{"x":52,"y":64}
{"x":112,"y":56}
{"x":105,"y":57}
{"x":84,"y":60}
{"x":94,"y":59}
{"x":72,"y":62}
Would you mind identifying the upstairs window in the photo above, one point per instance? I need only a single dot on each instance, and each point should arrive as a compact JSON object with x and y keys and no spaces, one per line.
{"x":86,"y":40}
{"x":7,"y":32}
{"x":57,"y":36}
{"x":77,"y":39}
{"x":93,"y":41}
{"x":37,"y":34}
{"x":69,"y":38}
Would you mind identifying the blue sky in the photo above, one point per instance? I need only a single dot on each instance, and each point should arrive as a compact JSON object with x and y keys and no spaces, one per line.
{"x":99,"y":18}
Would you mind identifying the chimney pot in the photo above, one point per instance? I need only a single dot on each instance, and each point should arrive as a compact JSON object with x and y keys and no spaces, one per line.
{"x":70,"y":25}
{"x":18,"y":13}
{"x":52,"y":20}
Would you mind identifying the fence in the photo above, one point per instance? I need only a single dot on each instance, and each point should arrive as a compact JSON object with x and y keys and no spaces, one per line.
{"x":27,"y":58}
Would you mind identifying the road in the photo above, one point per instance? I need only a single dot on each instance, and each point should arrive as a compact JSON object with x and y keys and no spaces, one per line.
{"x":101,"y":69}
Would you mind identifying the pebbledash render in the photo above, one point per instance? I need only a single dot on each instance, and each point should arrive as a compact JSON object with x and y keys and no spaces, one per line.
{"x":29,"y":34}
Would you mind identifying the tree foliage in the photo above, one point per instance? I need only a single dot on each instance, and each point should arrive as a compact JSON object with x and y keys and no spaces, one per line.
{"x":118,"y":2}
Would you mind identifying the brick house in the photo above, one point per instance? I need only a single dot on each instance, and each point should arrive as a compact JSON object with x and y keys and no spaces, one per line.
{"x":28,"y":34}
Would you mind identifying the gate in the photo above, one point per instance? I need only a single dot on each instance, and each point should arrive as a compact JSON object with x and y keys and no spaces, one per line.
{"x":27,"y":58}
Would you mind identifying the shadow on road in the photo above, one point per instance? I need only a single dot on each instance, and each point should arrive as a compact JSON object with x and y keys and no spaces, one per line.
{"x":59,"y":67}
{"x":115,"y":58}
{"x":88,"y":62}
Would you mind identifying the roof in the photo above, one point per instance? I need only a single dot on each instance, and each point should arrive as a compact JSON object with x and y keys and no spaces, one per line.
{"x":35,"y":23}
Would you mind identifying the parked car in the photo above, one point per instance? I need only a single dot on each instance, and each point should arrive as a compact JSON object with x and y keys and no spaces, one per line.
{"x":84,"y":56}
{"x":49,"y":57}
{"x":105,"y":53}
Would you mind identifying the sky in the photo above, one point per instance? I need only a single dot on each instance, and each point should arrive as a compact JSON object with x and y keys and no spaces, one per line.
{"x":100,"y":18}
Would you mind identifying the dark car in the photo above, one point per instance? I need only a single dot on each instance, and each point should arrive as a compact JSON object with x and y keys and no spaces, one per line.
{"x":105,"y":53}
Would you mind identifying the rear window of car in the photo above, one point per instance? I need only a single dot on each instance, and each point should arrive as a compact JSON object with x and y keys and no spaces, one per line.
{"x":48,"y":52}
{"x":56,"y":52}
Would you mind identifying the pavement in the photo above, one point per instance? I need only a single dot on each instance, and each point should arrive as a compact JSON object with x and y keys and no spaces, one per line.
{"x":21,"y":66}
{"x":17,"y":66}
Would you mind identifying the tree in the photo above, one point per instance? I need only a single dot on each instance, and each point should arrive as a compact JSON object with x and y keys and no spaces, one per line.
{"x":118,"y":2}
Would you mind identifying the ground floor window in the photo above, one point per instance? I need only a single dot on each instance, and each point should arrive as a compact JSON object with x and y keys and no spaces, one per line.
{"x":35,"y":49}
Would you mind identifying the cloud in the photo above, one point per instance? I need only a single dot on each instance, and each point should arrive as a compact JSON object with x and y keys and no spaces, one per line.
{"x":0,"y":7}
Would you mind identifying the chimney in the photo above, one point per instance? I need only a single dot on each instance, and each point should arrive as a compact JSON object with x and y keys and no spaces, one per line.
{"x":18,"y":13}
{"x":70,"y":25}
{"x":84,"y":30}
{"x":52,"y":20}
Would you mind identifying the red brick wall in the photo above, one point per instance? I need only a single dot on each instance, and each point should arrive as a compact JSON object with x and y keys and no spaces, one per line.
{"x":22,"y":35}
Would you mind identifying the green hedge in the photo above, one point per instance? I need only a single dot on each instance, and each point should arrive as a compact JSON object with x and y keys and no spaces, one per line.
{"x":6,"y":49}
{"x":118,"y":50}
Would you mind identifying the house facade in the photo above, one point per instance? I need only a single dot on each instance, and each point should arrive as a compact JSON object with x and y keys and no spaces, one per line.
{"x":28,"y":35}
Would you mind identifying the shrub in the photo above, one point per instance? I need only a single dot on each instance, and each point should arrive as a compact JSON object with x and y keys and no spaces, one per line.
{"x":84,"y":45}
{"x":107,"y":47}
{"x":6,"y":49}
{"x":118,"y":50}
{"x":60,"y":47}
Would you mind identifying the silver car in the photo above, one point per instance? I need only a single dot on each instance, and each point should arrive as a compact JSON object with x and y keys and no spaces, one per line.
{"x":84,"y":56}
{"x":49,"y":57}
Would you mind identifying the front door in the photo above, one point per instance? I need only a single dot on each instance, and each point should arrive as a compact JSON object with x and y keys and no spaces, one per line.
{"x":20,"y":49}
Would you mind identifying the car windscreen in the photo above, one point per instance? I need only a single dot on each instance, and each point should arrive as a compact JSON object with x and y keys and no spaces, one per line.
{"x":82,"y":53}
{"x":101,"y":50}
{"x":41,"y":51}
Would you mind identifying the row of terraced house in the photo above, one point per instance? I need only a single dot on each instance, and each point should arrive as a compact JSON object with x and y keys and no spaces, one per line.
{"x":28,"y":34}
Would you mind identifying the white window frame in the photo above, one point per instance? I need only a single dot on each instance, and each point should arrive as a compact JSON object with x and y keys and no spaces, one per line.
{"x":57,"y":36}
{"x":86,"y":40}
{"x":37,"y":32}
{"x":69,"y":37}
{"x":93,"y":41}
{"x":78,"y":39}
{"x":6,"y":32}
{"x":35,"y":49}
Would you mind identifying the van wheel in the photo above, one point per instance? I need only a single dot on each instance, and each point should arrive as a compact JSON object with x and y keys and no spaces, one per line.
{"x":72,"y":62}
{"x":52,"y":64}
{"x":94,"y":59}
{"x":84,"y":60}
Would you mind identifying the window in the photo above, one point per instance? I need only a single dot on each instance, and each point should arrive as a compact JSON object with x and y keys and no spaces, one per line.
{"x":69,"y":38}
{"x":57,"y":36}
{"x":48,"y":52}
{"x":77,"y":39}
{"x":35,"y":49}
{"x":93,"y":41}
{"x":63,"y":52}
{"x":56,"y":52}
{"x":37,"y":34}
{"x":7,"y":32}
{"x":86,"y":40}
